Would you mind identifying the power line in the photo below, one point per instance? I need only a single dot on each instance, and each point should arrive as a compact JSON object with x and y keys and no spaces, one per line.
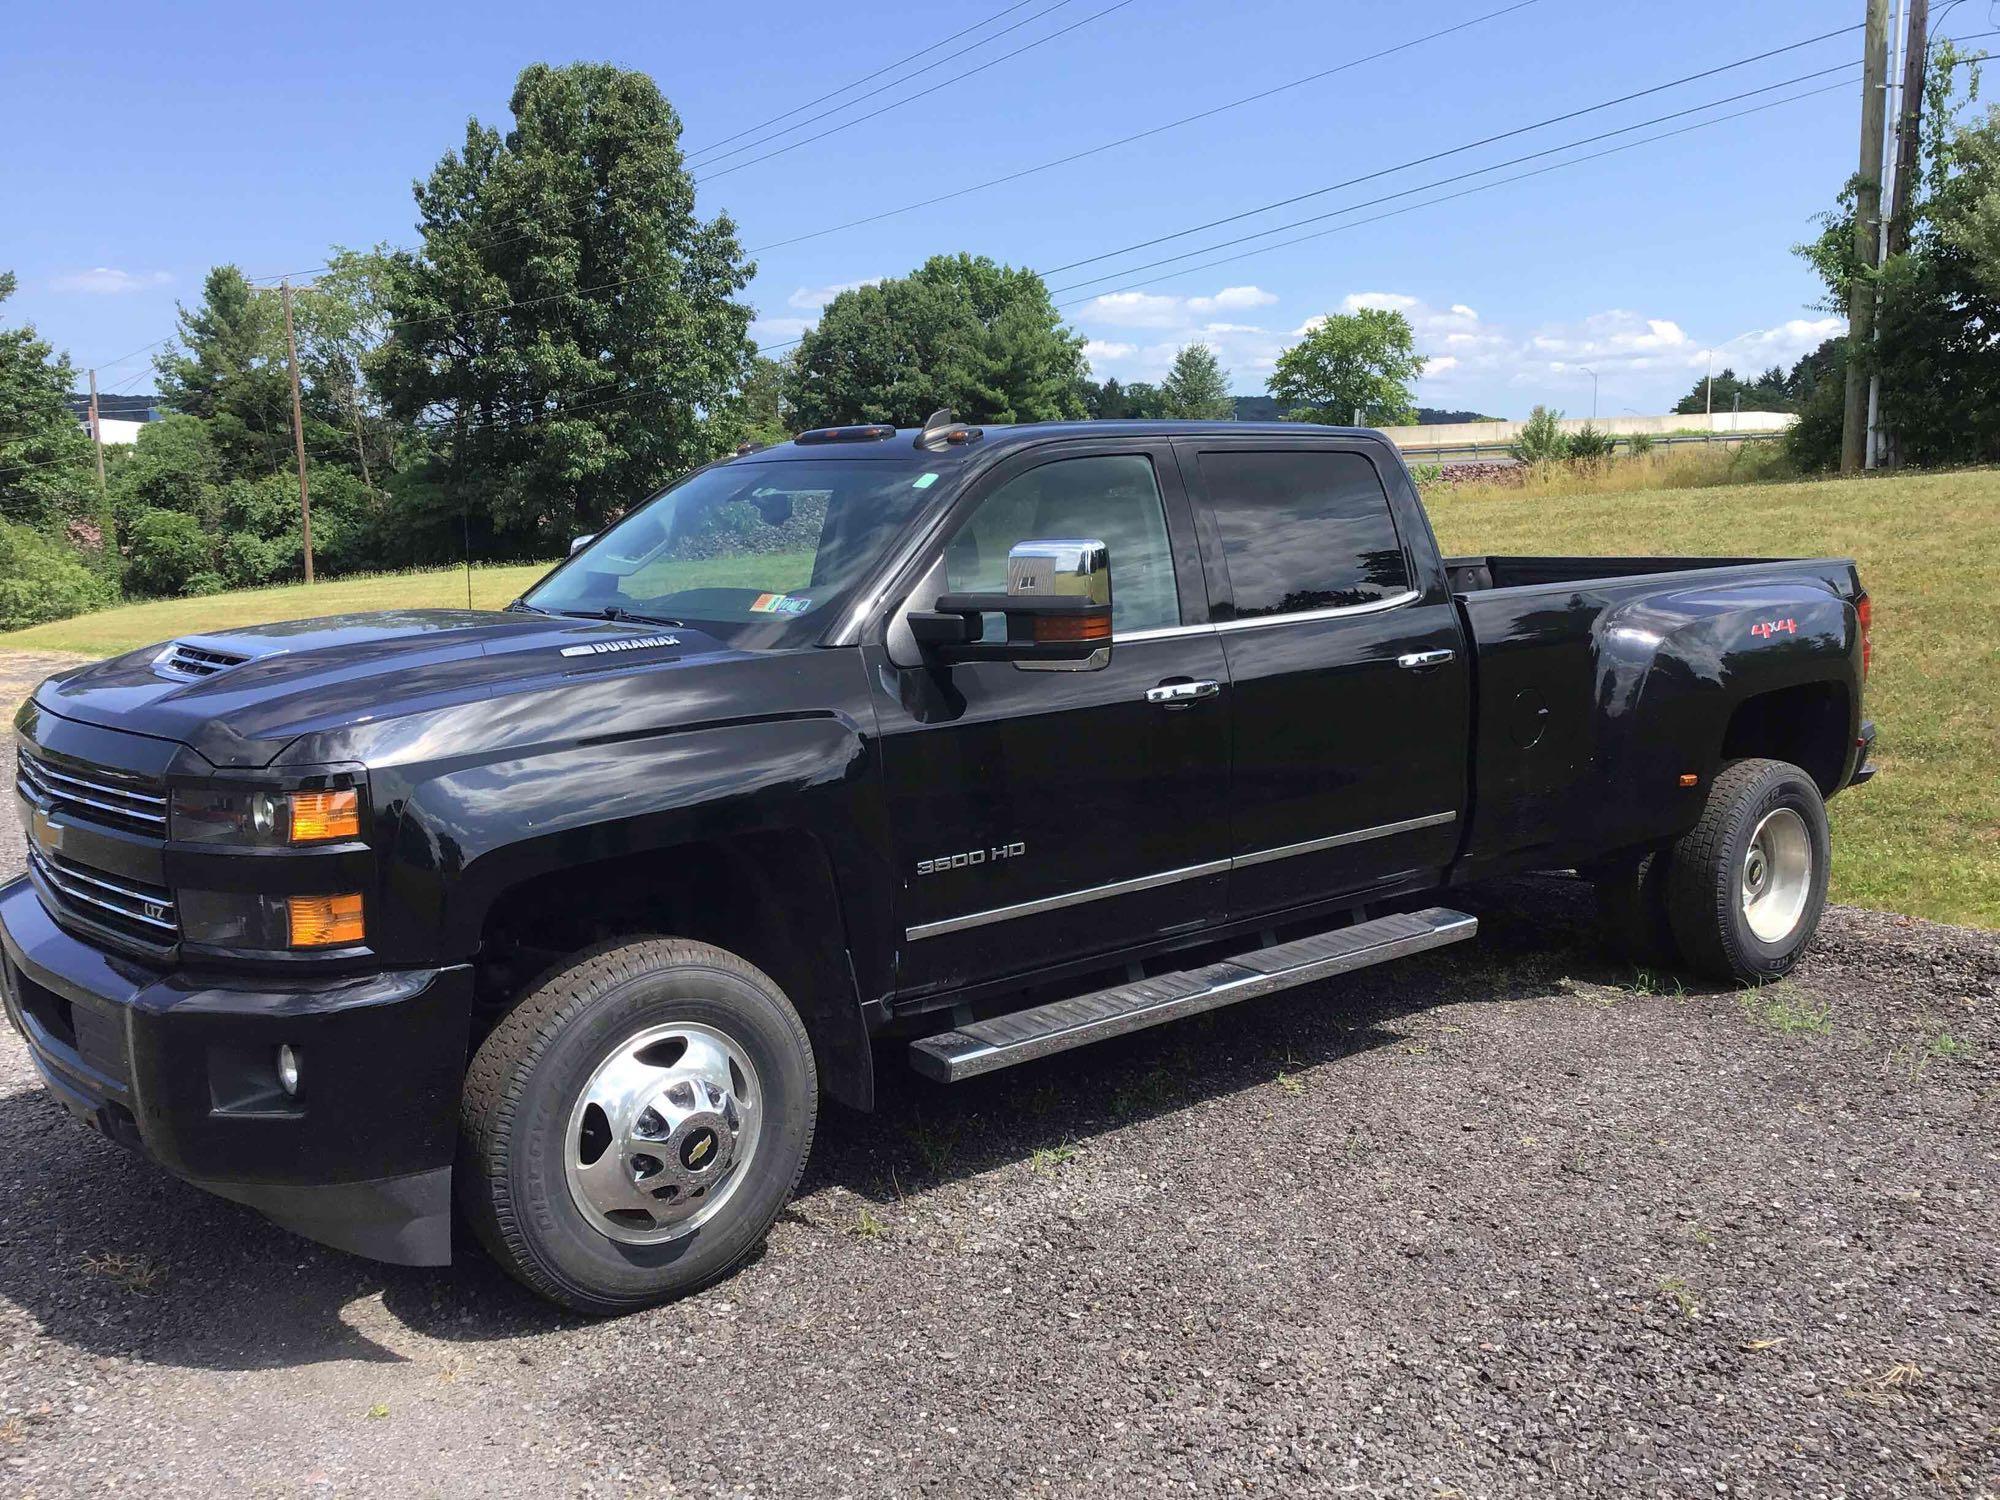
{"x":1452,"y":151}
{"x":893,"y":104}
{"x":1462,"y":193}
{"x":1846,"y":67}
{"x":714,"y":157}
{"x":614,"y":399}
{"x":1206,"y":114}
{"x":1228,"y":219}
{"x":865,"y":78}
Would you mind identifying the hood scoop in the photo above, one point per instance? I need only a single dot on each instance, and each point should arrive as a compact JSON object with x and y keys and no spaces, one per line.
{"x":190,"y":661}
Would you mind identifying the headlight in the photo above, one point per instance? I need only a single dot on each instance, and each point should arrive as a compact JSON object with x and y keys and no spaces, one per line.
{"x":271,"y":924}
{"x":203,"y":815}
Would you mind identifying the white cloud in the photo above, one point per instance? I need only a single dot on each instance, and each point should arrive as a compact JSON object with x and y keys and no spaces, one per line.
{"x":1353,"y":302}
{"x":1643,"y":359}
{"x":777,"y":330}
{"x":813,"y":298}
{"x":1233,"y":299}
{"x":109,"y":281}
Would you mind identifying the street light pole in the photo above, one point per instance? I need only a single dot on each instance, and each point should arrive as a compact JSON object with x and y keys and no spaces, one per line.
{"x":1593,"y":391}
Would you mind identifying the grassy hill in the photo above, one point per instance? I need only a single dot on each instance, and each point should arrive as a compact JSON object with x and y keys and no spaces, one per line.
{"x":1924,"y":837}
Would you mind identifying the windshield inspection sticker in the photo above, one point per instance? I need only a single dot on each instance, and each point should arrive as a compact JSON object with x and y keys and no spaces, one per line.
{"x":780,"y":604}
{"x":923,"y":481}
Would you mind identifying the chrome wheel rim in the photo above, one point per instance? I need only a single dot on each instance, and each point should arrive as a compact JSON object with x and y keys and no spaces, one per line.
{"x":662,"y":1133}
{"x":1777,"y":875}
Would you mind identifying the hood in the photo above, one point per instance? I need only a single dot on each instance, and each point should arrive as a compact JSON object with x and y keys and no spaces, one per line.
{"x":239,"y":696}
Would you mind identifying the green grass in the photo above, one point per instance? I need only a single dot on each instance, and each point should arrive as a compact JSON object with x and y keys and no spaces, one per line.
{"x":114,"y":630}
{"x":1924,"y":836}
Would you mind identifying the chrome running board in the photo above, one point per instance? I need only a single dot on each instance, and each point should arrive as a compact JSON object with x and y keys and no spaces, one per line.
{"x":983,"y":1046}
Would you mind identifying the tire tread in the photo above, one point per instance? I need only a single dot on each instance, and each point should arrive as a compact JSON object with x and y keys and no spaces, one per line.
{"x":497,"y":1078}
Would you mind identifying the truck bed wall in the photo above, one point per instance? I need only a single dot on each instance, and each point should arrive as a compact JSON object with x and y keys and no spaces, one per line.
{"x":1593,"y":696}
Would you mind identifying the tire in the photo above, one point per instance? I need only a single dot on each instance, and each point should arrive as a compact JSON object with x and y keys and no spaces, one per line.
{"x":670,"y":1042}
{"x":1719,"y":935}
{"x":1632,"y":910}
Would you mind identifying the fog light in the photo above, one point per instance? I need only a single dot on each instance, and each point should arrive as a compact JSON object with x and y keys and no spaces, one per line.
{"x":288,"y":1069}
{"x":324,"y":921}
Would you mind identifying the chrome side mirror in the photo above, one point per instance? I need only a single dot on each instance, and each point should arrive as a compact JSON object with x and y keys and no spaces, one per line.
{"x":1057,"y":608}
{"x":578,"y":543}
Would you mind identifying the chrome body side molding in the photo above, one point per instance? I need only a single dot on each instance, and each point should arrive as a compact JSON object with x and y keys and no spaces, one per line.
{"x":1168,"y":877}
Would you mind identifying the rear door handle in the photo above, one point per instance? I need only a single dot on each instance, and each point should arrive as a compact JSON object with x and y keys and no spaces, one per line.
{"x":1182,"y":694}
{"x":1416,"y":661}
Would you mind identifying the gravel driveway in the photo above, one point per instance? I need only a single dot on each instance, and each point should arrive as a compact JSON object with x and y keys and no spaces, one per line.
{"x":1505,"y":1218}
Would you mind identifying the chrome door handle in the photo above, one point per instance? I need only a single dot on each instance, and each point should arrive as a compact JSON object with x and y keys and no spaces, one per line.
{"x":1181,"y":694}
{"x":1416,"y":661}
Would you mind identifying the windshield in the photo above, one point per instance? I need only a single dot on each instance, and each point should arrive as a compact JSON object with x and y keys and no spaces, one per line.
{"x":757,"y":554}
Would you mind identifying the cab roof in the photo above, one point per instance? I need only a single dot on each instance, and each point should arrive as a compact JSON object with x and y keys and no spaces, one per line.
{"x":900,"y":446}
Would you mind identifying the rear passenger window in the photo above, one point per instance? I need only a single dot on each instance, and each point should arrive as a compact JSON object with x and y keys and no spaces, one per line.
{"x":1303,"y":531}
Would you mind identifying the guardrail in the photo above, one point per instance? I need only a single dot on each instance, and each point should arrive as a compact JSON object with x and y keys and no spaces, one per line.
{"x":1497,"y":452}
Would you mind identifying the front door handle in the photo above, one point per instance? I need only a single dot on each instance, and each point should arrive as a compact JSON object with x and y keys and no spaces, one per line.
{"x":1182,"y":694}
{"x":1416,"y":661}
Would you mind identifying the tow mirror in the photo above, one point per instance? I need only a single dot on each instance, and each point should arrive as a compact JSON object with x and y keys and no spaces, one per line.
{"x":578,"y":543}
{"x":1057,"y":608}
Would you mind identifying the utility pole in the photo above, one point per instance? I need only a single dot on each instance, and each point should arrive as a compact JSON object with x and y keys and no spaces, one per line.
{"x":1867,"y":236}
{"x":299,"y":434}
{"x":97,"y":437}
{"x":1909,"y":123}
{"x":1898,"y":62}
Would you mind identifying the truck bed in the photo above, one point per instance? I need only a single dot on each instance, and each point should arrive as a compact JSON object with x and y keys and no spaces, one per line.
{"x":1471,"y":575}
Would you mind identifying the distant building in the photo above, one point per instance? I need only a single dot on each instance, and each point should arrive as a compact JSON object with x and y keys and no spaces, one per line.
{"x":120,"y":416}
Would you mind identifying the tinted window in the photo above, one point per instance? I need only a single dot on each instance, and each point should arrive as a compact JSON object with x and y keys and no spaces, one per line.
{"x":757,"y":553}
{"x":1303,"y":531}
{"x":1111,"y":498}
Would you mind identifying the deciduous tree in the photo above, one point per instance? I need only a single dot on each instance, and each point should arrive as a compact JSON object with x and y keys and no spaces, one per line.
{"x":961,"y":331}
{"x":44,"y":455}
{"x":1361,"y":361}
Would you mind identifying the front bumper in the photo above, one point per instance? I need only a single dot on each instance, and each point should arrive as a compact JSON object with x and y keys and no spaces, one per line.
{"x":183,"y":1069}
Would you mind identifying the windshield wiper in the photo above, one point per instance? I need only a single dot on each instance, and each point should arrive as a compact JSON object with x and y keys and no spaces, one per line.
{"x":613,"y":612}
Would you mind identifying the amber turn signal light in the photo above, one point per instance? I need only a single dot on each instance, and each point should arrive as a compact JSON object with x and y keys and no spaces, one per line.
{"x":1053,"y":630}
{"x":319,"y":816}
{"x":324,"y":921}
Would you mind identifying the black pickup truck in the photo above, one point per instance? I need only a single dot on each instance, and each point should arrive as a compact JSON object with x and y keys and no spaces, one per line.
{"x":961,"y":746}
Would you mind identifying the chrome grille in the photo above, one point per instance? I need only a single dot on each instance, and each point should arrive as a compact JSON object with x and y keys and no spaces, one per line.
{"x":145,"y":911}
{"x":96,"y":795}
{"x":195,"y":662}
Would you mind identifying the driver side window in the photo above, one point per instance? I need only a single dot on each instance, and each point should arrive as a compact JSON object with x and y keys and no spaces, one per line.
{"x":1112,"y":498}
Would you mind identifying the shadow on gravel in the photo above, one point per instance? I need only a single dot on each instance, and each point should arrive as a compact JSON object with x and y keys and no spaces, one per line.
{"x":113,"y":1256}
{"x":1534,"y":931}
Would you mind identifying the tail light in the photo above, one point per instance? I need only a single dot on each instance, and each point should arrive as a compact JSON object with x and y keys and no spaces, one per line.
{"x":1864,"y":611}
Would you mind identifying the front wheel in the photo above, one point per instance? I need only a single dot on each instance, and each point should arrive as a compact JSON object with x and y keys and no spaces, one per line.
{"x":633,"y":1126}
{"x":1747,"y":884}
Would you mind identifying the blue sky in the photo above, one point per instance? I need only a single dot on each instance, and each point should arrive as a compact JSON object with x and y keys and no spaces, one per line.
{"x":143,"y":145}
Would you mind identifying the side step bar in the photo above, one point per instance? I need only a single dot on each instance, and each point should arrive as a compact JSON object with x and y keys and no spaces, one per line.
{"x":983,"y":1046}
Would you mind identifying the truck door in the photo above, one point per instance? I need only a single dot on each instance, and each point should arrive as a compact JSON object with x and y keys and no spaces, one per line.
{"x":1041,"y":816}
{"x":1348,"y":678}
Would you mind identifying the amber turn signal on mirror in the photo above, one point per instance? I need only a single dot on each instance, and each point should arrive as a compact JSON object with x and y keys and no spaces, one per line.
{"x":1057,"y":629}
